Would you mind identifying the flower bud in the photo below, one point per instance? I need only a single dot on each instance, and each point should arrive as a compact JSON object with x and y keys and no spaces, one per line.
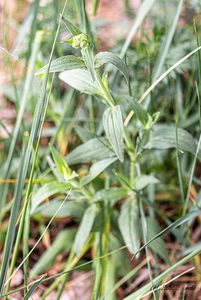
{"x":80,"y":41}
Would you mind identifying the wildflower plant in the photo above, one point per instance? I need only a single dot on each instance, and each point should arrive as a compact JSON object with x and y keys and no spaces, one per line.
{"x":84,"y":74}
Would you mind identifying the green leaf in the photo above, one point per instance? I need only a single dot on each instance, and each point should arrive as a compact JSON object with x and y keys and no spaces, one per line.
{"x":85,"y":228}
{"x":108,"y":57}
{"x":164,"y":137}
{"x":96,"y":169}
{"x":63,"y":242}
{"x":80,"y":80}
{"x":141,"y":15}
{"x":63,"y":63}
{"x":164,"y":50}
{"x":60,"y":162}
{"x":129,"y":224}
{"x":69,"y":209}
{"x":74,"y":30}
{"x":46,"y":191}
{"x":121,"y":257}
{"x":112,"y":194}
{"x":94,"y":149}
{"x":114,"y":128}
{"x":165,"y":45}
{"x":83,"y":133}
{"x":158,"y":245}
{"x":140,"y":111}
{"x":144,"y":180}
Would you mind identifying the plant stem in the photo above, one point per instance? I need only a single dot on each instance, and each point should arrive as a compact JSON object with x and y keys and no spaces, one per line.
{"x":105,"y":244}
{"x":89,"y":61}
{"x":105,"y":92}
{"x":131,"y":153}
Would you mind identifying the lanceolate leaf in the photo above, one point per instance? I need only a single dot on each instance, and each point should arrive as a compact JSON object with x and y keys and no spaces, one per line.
{"x":140,"y":111}
{"x":60,"y":163}
{"x":144,"y":180}
{"x":112,"y":194}
{"x":69,"y":209}
{"x":83,"y":133}
{"x":85,"y":228}
{"x":74,"y":30}
{"x":129,"y":224}
{"x":64,"y":63}
{"x":97,"y":168}
{"x":46,"y":191}
{"x":80,"y":80}
{"x":94,"y":149}
{"x":164,"y":137}
{"x":108,"y":57}
{"x":114,"y":128}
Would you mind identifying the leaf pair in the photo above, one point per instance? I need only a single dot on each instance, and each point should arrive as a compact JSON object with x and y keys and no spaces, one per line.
{"x":79,"y":76}
{"x":75,"y":73}
{"x":72,"y":66}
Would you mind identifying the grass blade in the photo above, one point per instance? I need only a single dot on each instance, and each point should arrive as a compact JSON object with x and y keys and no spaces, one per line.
{"x":141,"y":292}
{"x":142,"y":13}
{"x":38,"y":117}
{"x":12,"y":224}
{"x":23,"y":103}
{"x":166,"y":44}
